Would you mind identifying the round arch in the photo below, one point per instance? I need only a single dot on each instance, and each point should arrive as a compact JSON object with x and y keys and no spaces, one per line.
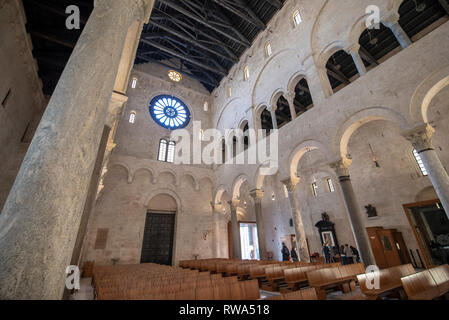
{"x":237,"y":184}
{"x":424,"y":94}
{"x":129,"y":172}
{"x":163,"y":191}
{"x":360,"y":118}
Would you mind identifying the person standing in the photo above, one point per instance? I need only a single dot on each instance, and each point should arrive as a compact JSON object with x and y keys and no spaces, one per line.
{"x":342,"y":255}
{"x":332,"y":253}
{"x":349,"y":255}
{"x":285,"y":253}
{"x":356,"y":254}
{"x":294,"y":255}
{"x":326,"y":253}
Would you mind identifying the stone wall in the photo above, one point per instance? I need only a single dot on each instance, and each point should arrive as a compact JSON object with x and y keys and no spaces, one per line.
{"x":21,"y":98}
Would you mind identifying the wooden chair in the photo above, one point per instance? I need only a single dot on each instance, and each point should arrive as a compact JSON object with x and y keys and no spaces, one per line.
{"x":250,"y":289}
{"x":441,"y":276}
{"x":420,"y":286}
{"x":323,"y":279}
{"x":204,"y":293}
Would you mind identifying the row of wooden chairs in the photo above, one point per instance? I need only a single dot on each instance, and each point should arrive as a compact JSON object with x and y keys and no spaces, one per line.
{"x":344,"y":277}
{"x":303,"y":294}
{"x":427,"y":285}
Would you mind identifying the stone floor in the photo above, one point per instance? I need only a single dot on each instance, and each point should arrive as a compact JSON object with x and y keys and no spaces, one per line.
{"x":86,"y":291}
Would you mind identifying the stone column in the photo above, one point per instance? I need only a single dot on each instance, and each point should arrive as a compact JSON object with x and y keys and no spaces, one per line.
{"x":236,"y":245}
{"x":272,"y":110}
{"x":421,"y":138}
{"x":303,"y":251}
{"x":354,"y":51}
{"x":40,"y":220}
{"x":257,"y":195}
{"x":402,"y":37}
{"x":291,"y":102}
{"x":354,"y":214}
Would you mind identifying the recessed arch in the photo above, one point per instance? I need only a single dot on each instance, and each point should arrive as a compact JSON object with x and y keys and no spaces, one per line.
{"x":149,"y":170}
{"x":129,"y":172}
{"x":361,"y":118}
{"x":171,"y":172}
{"x":424,"y":94}
{"x":300,"y":150}
{"x":193,"y":179}
{"x":237,"y":184}
{"x":164,"y":191}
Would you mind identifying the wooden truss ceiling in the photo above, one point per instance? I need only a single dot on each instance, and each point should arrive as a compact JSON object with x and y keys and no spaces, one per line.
{"x":203,"y":39}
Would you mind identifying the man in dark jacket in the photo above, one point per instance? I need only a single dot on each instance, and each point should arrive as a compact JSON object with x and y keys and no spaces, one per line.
{"x":285,"y":252}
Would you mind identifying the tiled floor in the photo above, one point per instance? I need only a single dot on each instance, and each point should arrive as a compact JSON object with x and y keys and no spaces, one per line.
{"x":86,"y":291}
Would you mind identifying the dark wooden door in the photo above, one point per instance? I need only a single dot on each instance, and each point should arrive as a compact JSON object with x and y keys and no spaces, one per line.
{"x":158,"y":238}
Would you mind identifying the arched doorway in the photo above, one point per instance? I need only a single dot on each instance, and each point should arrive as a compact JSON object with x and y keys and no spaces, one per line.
{"x":159,"y":232}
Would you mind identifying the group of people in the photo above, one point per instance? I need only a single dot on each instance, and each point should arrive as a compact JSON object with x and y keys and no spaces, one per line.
{"x":348,"y":254}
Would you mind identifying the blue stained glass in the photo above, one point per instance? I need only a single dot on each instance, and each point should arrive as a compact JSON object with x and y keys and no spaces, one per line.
{"x":169,"y":112}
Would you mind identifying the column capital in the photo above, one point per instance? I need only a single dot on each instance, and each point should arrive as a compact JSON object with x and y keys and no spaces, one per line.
{"x":233,"y":203}
{"x":341,"y":167}
{"x":390,"y":19}
{"x":353,"y":48}
{"x":256,"y":194}
{"x":420,"y":137}
{"x":291,"y":183}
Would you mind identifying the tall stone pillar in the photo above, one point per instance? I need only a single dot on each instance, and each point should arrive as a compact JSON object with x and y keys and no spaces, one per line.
{"x":301,"y":239}
{"x":291,"y":103}
{"x":236,"y":244}
{"x":354,"y":51}
{"x":354,"y":214}
{"x":421,"y":138}
{"x":257,"y":195}
{"x":273,"y":116}
{"x":402,"y":37}
{"x":40,"y":220}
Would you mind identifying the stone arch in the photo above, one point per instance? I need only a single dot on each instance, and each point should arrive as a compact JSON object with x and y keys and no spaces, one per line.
{"x":357,"y":120}
{"x":165,"y":191}
{"x":237,"y":184}
{"x":298,"y":76}
{"x":195,"y":182}
{"x":300,"y":150}
{"x":149,"y":170}
{"x":220,"y":115}
{"x":424,"y":94}
{"x":219,"y":192}
{"x":329,"y":51}
{"x":171,"y":172}
{"x":205,"y":178}
{"x":129,"y":172}
{"x":259,"y":177}
{"x":243,"y":123}
{"x":276,"y":95}
{"x":267,"y":64}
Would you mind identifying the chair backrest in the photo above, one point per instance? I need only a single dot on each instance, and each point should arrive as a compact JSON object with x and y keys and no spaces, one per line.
{"x":323,"y":276}
{"x":222,"y":292}
{"x":204,"y":293}
{"x":250,"y":289}
{"x":351,"y":270}
{"x":441,"y":276}
{"x":416,"y":284}
{"x":188,"y":294}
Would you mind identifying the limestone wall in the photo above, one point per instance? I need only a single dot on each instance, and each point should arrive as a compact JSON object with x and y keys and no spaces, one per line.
{"x":21,"y":98}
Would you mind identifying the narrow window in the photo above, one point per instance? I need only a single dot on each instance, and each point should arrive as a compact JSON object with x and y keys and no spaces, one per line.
{"x":246,"y":73}
{"x":6,"y":98}
{"x":171,"y":152}
{"x":420,"y":163}
{"x":330,"y":185}
{"x":206,"y":106}
{"x":297,"y":19}
{"x":132,"y":117}
{"x":134,"y":84}
{"x":163,"y":150}
{"x":314,"y":189}
{"x":268,"y":49}
{"x":229,"y":92}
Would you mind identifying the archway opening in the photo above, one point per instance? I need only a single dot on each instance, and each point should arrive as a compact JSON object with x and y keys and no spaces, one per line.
{"x":283,"y":114}
{"x":303,"y":99}
{"x":341,"y":70}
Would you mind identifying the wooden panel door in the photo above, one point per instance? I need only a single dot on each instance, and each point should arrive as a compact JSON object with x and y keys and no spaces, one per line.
{"x":158,"y":238}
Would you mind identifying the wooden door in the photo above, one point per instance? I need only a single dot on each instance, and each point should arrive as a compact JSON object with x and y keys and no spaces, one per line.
{"x":158,"y":238}
{"x":377,"y":247}
{"x":390,"y":249}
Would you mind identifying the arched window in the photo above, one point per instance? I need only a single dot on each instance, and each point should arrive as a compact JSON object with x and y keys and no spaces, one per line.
{"x":162,"y":150}
{"x":246,"y":73}
{"x":134,"y":83}
{"x":420,"y":163}
{"x":169,"y":112}
{"x":297,"y":19}
{"x":166,"y":151}
{"x":268,"y":49}
{"x":206,"y":106}
{"x":229,"y":92}
{"x":132,"y":117}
